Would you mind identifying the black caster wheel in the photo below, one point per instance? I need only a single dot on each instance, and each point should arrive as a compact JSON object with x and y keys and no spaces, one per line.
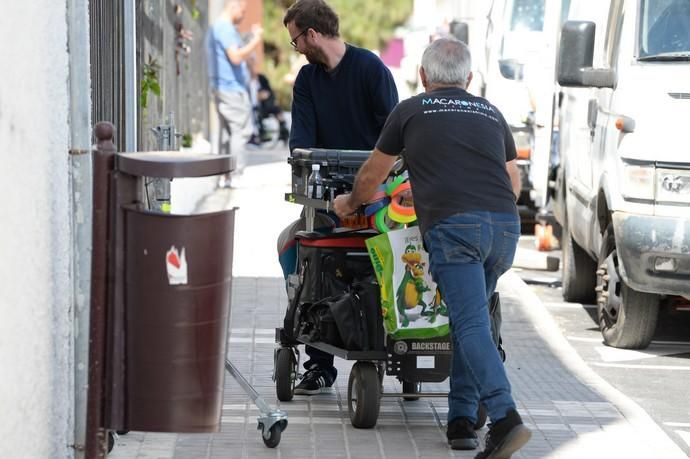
{"x":410,"y":387}
{"x":110,"y":437}
{"x":481,"y":417}
{"x":502,"y":353}
{"x":363,"y":395}
{"x":286,"y":374}
{"x":381,"y":369}
{"x":272,"y":438}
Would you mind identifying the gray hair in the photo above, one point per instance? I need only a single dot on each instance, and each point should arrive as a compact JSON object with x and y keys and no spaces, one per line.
{"x":447,"y":61}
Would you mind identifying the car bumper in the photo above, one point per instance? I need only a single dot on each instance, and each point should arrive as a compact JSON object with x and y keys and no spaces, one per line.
{"x":654,"y":252}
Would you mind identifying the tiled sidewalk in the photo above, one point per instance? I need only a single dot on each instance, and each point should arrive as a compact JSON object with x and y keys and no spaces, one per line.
{"x":573,"y":414}
{"x":568,"y":418}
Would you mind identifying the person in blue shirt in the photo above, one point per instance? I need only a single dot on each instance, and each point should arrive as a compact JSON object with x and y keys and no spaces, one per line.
{"x":341,"y":100}
{"x":228,"y":79}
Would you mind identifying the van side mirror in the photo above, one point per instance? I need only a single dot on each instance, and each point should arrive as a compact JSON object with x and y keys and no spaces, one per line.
{"x":511,"y":69}
{"x":460,"y":30}
{"x":575,"y":57}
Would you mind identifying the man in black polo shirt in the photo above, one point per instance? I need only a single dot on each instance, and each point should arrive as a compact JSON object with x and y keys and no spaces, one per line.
{"x":341,"y":100}
{"x":461,"y":159}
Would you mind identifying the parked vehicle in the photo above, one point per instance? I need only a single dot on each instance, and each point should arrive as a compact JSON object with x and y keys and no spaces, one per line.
{"x":623,"y":185}
{"x":518,"y":72}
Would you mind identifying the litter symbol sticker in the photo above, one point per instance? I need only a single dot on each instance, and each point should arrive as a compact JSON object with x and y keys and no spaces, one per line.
{"x":176,"y":264}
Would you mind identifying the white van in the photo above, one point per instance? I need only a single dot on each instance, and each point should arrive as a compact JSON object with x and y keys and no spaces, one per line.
{"x":518,"y":73}
{"x":623,"y":188}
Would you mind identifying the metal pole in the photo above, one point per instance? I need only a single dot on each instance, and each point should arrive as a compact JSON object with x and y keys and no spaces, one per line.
{"x":81,"y":185}
{"x":253,"y":394}
{"x":103,"y":163}
{"x":158,"y":189}
{"x":130,"y":64}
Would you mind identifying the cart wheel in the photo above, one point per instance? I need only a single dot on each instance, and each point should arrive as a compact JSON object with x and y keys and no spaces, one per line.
{"x":285,"y":374}
{"x":410,"y":387}
{"x":363,"y":395}
{"x":381,"y":369}
{"x":273,"y":438}
{"x":481,"y":417}
{"x":111,"y":440}
{"x":502,"y":353}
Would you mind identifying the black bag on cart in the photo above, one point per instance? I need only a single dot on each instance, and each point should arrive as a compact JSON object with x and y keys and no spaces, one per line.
{"x":315,"y":322}
{"x":496,"y":319}
{"x":351,"y":321}
{"x":358,"y":317}
{"x":332,"y":263}
{"x":330,"y":267}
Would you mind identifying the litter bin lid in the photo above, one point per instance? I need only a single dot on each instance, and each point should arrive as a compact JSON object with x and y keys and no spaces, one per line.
{"x":171,"y":164}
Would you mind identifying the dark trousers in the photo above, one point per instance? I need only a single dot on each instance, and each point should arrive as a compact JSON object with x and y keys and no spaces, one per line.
{"x":320,"y":359}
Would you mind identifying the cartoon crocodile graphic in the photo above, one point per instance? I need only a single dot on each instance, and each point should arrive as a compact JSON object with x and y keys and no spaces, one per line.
{"x":412,"y":286}
{"x":437,"y":308}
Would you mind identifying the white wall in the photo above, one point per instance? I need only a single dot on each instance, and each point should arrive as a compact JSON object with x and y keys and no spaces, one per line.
{"x":35,"y":356}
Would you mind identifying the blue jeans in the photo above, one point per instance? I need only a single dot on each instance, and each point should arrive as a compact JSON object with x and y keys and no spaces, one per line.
{"x":468,"y":252}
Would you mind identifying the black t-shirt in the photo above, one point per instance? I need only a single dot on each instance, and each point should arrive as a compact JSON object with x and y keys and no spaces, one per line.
{"x":456,"y":147}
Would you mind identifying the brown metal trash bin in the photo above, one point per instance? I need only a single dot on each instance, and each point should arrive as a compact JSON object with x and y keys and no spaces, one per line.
{"x":178,"y":272}
{"x":164,"y":306}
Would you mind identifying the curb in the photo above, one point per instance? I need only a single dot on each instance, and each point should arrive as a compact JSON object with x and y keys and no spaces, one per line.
{"x":642,"y":424}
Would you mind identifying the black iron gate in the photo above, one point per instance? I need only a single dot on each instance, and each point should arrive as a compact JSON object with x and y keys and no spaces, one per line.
{"x":106,"y":23}
{"x":170,"y":34}
{"x":169,"y":41}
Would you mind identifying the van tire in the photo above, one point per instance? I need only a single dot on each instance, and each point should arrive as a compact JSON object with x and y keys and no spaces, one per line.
{"x":627,"y":318}
{"x":578,"y":272}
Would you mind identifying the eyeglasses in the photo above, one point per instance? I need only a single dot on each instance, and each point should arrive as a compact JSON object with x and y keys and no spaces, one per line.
{"x":293,"y":42}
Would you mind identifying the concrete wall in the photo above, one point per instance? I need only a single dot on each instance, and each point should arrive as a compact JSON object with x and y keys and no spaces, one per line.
{"x":35,"y":282}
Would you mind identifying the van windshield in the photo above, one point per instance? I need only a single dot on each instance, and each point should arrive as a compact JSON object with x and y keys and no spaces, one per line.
{"x":664,"y":30}
{"x":528,"y":16}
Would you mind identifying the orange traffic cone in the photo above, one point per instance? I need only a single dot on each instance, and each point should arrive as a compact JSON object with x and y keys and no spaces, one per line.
{"x":544,"y":238}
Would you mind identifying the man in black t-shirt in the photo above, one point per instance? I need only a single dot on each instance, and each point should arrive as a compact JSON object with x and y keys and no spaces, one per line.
{"x":461,"y":159}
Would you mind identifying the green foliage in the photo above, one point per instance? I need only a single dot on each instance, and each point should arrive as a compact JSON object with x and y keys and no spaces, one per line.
{"x":366,"y":23}
{"x":186,"y":140}
{"x":195,"y":10}
{"x":149,"y":81}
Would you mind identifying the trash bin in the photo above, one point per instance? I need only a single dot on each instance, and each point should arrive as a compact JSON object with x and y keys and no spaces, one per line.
{"x":168,"y":317}
{"x":178,"y":272}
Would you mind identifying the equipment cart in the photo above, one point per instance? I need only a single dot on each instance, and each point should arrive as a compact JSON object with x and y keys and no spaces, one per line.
{"x":411,"y":361}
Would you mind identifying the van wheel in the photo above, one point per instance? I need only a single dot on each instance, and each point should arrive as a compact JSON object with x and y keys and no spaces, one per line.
{"x":578,"y":272}
{"x":627,"y":318}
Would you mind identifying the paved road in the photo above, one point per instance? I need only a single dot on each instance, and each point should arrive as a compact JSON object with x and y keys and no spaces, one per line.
{"x":656,"y":378}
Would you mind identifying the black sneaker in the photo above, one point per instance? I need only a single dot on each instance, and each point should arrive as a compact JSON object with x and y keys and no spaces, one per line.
{"x":313,"y":382}
{"x":505,"y":437}
{"x":253,"y":142}
{"x":461,"y":435}
{"x":284,"y":134}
